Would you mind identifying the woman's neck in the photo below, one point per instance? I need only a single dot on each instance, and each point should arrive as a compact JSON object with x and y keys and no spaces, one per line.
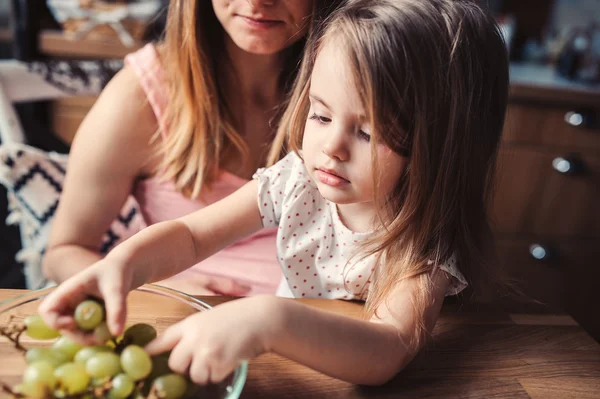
{"x":253,"y":78}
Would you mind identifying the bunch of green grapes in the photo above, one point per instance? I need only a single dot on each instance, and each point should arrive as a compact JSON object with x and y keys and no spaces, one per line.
{"x":117,"y":368}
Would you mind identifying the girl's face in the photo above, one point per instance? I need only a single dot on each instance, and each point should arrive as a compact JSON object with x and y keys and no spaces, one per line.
{"x":264,"y":27}
{"x":336,"y":144}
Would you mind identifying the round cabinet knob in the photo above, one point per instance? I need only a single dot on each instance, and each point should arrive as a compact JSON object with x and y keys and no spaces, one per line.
{"x":539,"y":252}
{"x":567,"y":165}
{"x":579,"y":119}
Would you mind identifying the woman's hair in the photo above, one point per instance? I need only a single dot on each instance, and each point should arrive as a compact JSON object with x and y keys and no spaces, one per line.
{"x":201,"y":127}
{"x":433,"y":79}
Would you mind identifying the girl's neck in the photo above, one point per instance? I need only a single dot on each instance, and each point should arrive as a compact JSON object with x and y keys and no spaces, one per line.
{"x":252,"y":78}
{"x":359,"y":217}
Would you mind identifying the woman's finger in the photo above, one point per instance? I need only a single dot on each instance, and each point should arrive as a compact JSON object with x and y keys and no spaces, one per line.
{"x":227,"y":286}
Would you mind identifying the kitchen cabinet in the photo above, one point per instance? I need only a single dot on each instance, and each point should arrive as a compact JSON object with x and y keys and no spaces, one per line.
{"x":546,"y":206}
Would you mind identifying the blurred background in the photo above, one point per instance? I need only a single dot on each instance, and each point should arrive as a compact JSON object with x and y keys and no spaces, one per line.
{"x":58,"y":54}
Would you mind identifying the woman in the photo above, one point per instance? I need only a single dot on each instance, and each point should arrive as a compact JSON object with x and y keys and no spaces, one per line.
{"x":184,"y":124}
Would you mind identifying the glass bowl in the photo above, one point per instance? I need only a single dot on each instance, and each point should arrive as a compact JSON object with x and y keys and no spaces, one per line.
{"x":158,"y":306}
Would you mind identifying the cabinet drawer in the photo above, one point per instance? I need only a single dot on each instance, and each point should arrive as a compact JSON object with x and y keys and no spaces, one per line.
{"x":540,"y":280}
{"x":568,"y":277}
{"x":547,"y":126}
{"x":536,"y":195}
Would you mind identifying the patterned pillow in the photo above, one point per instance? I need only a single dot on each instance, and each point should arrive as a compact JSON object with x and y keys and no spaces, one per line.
{"x":33,"y":179}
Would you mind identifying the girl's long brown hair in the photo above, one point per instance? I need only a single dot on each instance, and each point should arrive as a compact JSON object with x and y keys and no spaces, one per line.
{"x":433,"y":75}
{"x":201,"y":126}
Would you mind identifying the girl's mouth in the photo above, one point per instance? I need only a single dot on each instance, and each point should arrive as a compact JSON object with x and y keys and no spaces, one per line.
{"x":329,"y":177}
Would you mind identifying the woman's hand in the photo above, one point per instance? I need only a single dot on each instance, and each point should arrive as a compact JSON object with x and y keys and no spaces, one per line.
{"x":201,"y":284}
{"x":209,"y":345}
{"x":107,"y":279}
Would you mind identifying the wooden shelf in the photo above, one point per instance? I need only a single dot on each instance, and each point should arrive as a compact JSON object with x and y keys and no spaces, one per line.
{"x":56,"y":44}
{"x":5,"y":34}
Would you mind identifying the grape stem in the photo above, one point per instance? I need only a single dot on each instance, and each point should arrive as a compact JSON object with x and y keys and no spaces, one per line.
{"x":7,"y":389}
{"x":13,"y":333}
{"x":154,"y":394}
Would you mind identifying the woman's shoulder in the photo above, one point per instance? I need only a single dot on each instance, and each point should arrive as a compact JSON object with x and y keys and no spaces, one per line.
{"x":145,"y":61}
{"x":120,"y":119}
{"x":146,"y":66}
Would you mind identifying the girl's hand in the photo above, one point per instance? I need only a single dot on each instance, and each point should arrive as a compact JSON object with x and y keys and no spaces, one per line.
{"x":106,"y":279}
{"x":209,"y":345}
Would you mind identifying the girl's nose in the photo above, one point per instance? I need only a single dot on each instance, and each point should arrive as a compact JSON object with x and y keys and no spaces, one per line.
{"x":335,"y":147}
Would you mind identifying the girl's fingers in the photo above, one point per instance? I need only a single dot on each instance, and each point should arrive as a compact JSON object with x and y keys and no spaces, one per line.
{"x":219,"y":372}
{"x":64,"y":322}
{"x":81,"y":337}
{"x":165,"y":341}
{"x":181,"y":358}
{"x":116,"y":312}
{"x":200,"y":371}
{"x":58,"y":307}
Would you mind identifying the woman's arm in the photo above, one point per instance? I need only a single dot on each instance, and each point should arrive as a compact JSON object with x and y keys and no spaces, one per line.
{"x":358,"y":351}
{"x":111,"y":149}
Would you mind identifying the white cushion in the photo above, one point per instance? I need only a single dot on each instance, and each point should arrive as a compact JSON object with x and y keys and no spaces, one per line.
{"x":34,"y":179}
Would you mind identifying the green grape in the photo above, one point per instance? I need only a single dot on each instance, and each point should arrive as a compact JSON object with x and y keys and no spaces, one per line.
{"x":72,"y":378}
{"x":102,"y":333}
{"x":160,"y":366}
{"x":36,"y":328}
{"x":67,"y":347}
{"x":193,"y":390}
{"x":50,"y":355}
{"x":59,"y":394}
{"x":89,"y":314}
{"x":103,"y":364}
{"x":85,"y":353}
{"x":40,"y":372}
{"x":140,"y":334}
{"x":122,"y":386}
{"x":31,"y":390}
{"x":136,"y":362}
{"x":170,"y":386}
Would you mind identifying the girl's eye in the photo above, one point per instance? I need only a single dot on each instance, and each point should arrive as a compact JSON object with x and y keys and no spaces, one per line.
{"x":364,"y":136}
{"x":319,"y":118}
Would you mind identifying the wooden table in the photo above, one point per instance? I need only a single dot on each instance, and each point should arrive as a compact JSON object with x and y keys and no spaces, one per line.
{"x":474,"y":353}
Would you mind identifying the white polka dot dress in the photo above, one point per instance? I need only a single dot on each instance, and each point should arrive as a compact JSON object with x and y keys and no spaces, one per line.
{"x":314,"y":248}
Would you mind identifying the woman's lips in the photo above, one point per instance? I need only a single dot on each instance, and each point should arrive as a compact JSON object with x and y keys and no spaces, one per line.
{"x":330,"y":178}
{"x":259,"y":23}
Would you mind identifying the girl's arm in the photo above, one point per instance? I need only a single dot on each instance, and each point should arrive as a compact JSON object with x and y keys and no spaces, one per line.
{"x":358,"y":351}
{"x":167,"y":248}
{"x":159,"y":251}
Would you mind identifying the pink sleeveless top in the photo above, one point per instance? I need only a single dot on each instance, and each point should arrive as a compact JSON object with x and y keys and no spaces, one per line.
{"x":250,"y":262}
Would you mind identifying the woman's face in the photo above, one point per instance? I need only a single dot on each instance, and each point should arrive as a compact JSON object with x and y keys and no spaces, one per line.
{"x":264,"y":27}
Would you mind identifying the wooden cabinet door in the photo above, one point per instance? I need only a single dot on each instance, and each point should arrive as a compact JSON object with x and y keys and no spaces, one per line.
{"x":567,"y":279}
{"x":532,"y":197}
